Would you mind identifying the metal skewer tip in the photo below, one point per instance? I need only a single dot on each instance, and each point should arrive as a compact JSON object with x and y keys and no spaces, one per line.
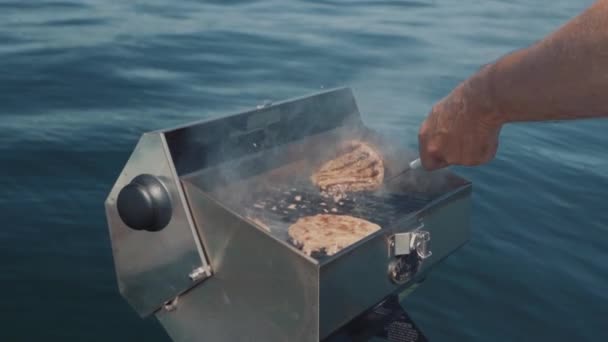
{"x":414,"y":164}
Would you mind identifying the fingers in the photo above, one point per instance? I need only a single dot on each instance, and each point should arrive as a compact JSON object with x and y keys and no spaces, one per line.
{"x":430,"y":156}
{"x":431,"y":163}
{"x":454,"y":135}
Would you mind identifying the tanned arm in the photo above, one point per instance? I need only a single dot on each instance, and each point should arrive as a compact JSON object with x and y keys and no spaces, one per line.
{"x":564,"y":76}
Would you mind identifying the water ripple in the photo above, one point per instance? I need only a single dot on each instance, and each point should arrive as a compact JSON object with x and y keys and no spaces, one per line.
{"x":80,"y":81}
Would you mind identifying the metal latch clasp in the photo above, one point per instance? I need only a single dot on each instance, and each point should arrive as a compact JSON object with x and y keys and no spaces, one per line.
{"x":418,"y":241}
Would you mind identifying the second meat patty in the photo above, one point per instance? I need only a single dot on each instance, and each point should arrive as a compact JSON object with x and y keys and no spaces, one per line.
{"x":329,"y":233}
{"x":358,"y":167}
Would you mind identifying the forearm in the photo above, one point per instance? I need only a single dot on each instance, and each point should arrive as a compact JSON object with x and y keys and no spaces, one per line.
{"x":564,"y":76}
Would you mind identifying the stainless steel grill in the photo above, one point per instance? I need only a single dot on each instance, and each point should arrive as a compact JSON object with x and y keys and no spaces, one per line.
{"x":199,"y":219}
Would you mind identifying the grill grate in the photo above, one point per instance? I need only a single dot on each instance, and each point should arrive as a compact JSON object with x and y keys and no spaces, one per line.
{"x":288,"y":204}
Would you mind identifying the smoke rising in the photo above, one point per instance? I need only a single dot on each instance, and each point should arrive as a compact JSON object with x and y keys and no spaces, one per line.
{"x":237,"y":157}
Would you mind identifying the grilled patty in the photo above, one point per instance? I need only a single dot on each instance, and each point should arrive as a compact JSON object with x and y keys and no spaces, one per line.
{"x":358,"y":167}
{"x":329,"y":233}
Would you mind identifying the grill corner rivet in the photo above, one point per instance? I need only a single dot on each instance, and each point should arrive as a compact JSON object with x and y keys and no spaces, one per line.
{"x":198,"y":273}
{"x":171,"y":305}
{"x":264,"y":104}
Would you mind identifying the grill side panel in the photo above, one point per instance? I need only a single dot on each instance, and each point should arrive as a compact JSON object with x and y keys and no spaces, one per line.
{"x":449,"y":224}
{"x":208,"y":143}
{"x":357,"y":278}
{"x":261,"y":289}
{"x":353,"y":283}
{"x":153,"y":267}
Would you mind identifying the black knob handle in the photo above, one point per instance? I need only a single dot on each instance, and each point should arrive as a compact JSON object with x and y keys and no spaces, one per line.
{"x":144,"y":204}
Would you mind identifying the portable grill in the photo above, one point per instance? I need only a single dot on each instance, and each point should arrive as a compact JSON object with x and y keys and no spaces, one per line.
{"x":199,"y":223}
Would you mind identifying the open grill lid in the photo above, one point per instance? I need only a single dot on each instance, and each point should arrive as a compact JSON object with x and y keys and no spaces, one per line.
{"x":211,"y":142}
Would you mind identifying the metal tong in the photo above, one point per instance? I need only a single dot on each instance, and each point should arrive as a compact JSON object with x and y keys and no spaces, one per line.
{"x":413,"y":165}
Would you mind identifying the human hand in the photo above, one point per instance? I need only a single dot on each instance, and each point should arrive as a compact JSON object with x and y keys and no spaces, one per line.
{"x":461,"y":129}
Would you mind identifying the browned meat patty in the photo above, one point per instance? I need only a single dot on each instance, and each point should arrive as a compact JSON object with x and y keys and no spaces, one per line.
{"x":329,"y":233}
{"x":358,"y":167}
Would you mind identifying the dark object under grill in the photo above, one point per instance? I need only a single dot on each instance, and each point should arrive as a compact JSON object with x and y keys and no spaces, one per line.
{"x":387,"y":321}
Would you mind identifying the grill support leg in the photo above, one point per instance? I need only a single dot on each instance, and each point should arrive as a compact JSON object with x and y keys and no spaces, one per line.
{"x":386,"y":322}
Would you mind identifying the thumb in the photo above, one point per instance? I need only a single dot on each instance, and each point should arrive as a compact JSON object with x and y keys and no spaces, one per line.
{"x":430,"y":162}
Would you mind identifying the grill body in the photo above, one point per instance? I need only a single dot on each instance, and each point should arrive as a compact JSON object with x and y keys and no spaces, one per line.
{"x":213,"y":273}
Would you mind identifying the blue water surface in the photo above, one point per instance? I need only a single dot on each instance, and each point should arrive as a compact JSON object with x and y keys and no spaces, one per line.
{"x":80,"y":81}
